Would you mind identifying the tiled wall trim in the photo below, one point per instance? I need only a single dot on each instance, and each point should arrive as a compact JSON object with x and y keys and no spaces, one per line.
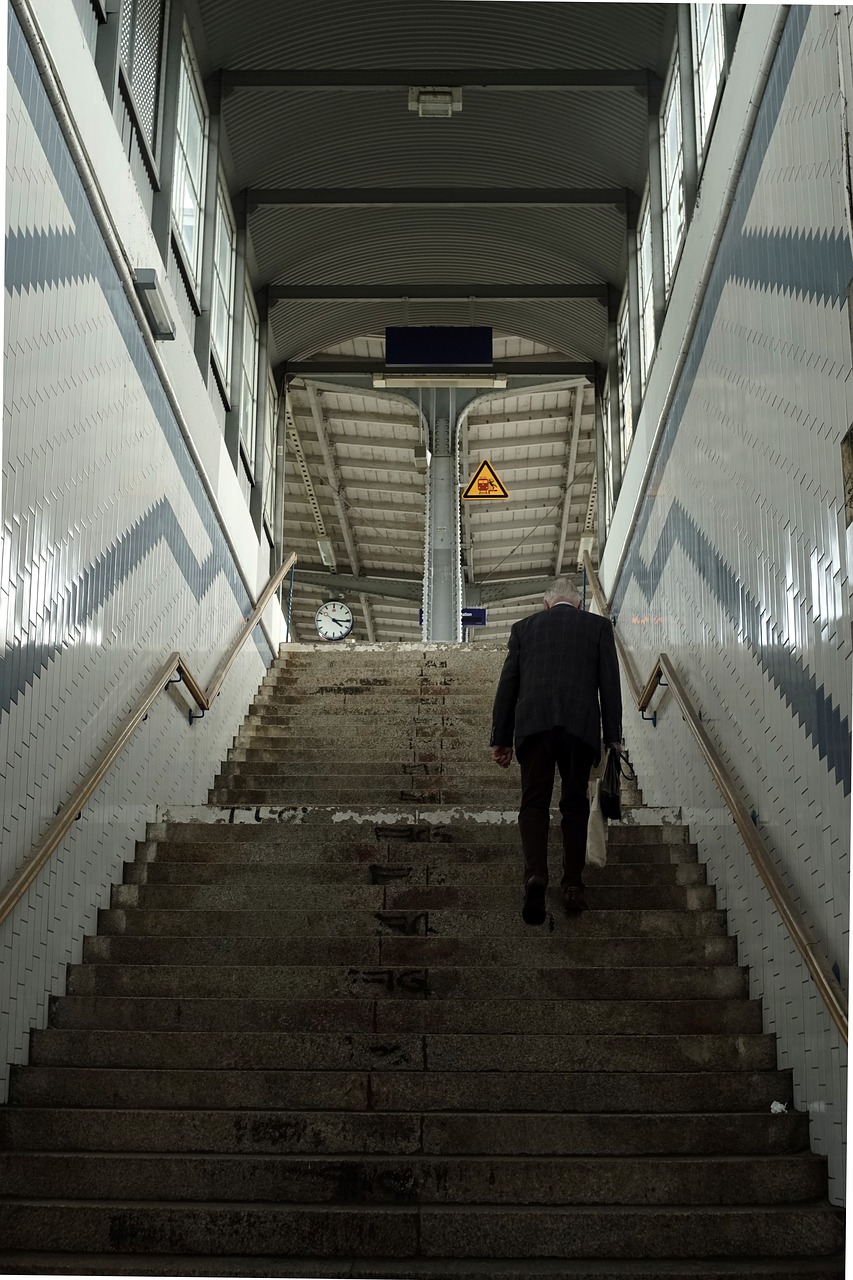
{"x":737,"y":566}
{"x":112,"y":557}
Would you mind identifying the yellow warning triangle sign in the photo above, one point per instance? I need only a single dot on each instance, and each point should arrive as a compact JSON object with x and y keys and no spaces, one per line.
{"x":485,"y":483}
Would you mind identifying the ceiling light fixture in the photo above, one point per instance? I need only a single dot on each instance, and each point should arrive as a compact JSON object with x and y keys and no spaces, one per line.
{"x":327,"y":552}
{"x":435,"y":102}
{"x":495,"y":381}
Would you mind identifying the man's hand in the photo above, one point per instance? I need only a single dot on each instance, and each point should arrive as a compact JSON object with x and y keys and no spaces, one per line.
{"x":502,"y":756}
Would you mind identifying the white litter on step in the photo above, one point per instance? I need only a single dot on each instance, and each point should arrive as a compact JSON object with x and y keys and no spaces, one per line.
{"x":779,"y":1108}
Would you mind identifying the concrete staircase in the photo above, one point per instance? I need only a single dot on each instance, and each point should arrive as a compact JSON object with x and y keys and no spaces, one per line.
{"x":313,"y":1036}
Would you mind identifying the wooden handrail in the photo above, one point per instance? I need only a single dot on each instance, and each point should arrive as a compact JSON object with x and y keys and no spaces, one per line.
{"x":203,"y":698}
{"x":799,"y":930}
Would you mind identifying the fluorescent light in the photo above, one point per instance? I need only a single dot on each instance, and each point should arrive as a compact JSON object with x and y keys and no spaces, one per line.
{"x":493,"y":380}
{"x":327,"y":552}
{"x":149,"y":293}
{"x":436,"y":102}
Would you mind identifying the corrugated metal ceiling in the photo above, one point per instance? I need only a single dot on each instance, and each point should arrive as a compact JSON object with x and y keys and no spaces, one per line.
{"x":371,"y":503}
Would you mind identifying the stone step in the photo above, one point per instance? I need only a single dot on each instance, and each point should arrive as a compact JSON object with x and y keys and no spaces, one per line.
{"x":260,"y":763}
{"x":664,"y":1092}
{"x":483,"y":900}
{"x":315,"y":922}
{"x":292,"y":846}
{"x":279,"y":793}
{"x":542,"y":950}
{"x":315,"y":1133}
{"x":424,"y":1179}
{"x":443,"y":869}
{"x":34,"y":1263}
{"x":452,"y":715}
{"x":236,"y":776}
{"x":303,"y":824}
{"x":505,"y":1231}
{"x":391,"y":1017}
{"x":438,"y":983}
{"x":400,"y":1052}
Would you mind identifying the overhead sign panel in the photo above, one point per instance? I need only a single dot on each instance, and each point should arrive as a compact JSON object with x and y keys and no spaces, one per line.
{"x":438,"y":346}
{"x":485,"y":484}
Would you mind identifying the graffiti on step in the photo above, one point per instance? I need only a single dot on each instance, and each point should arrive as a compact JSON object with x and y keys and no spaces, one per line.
{"x":412,"y":981}
{"x":408,"y":924}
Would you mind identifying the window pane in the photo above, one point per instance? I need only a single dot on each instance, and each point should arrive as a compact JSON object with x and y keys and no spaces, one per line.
{"x":223,"y":305}
{"x":188,"y":185}
{"x":709,"y":57}
{"x":625,"y":402}
{"x":248,"y":400}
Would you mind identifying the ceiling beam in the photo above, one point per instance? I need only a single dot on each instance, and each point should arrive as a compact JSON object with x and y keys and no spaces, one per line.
{"x":294,"y":439}
{"x":392,"y":589}
{"x":366,"y":366}
{"x":509,"y":590}
{"x":425,"y":197}
{"x":334,"y":477}
{"x":485,"y":421}
{"x":359,"y":415}
{"x":571,"y":466}
{"x":339,"y":79}
{"x":368,"y":617}
{"x":434,"y":292}
{"x":503,"y":443}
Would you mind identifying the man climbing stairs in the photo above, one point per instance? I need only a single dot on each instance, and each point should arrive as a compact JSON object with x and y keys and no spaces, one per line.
{"x":313,"y":1036}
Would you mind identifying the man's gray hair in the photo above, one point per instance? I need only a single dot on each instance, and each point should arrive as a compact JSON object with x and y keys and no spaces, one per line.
{"x":563,"y":589}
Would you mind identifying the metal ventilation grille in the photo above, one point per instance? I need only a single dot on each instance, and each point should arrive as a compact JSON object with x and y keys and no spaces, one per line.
{"x":141,"y":43}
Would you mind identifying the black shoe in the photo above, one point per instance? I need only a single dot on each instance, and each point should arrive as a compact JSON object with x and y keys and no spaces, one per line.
{"x":573,"y":899}
{"x":533,"y":911}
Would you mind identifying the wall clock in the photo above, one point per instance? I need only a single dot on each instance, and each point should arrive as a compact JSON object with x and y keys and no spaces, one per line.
{"x":333,"y":620}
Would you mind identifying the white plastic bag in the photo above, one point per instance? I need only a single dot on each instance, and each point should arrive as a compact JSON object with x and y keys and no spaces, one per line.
{"x":596,"y":832}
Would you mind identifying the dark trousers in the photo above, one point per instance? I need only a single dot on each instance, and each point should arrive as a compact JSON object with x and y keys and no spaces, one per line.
{"x":538,"y":756}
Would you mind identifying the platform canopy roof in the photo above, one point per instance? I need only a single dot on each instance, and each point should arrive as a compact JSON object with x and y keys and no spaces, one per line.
{"x":363,"y":210}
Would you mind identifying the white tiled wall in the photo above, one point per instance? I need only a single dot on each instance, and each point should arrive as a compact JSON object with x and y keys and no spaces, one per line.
{"x":111,"y":558}
{"x":737,"y":567}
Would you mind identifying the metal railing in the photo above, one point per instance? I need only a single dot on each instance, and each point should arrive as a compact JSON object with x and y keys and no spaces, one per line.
{"x":799,"y":929}
{"x":174,"y":666}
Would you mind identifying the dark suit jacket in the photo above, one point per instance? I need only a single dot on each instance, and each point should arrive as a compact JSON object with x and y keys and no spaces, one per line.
{"x":561,"y":663}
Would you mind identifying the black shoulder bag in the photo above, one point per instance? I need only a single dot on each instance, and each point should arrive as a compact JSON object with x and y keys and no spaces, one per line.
{"x":610,"y":797}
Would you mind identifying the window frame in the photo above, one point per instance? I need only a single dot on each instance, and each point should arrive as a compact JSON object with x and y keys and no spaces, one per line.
{"x":645,"y":291}
{"x":189,"y":75}
{"x":626,"y":403}
{"x":672,"y":173}
{"x":222,"y":359}
{"x":249,"y":380}
{"x":705,"y":112}
{"x":268,"y":496}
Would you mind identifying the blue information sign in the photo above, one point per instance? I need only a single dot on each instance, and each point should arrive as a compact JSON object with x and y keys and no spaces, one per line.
{"x":470,"y":617}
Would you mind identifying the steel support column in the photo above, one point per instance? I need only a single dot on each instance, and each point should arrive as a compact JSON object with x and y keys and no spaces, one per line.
{"x":442,"y":598}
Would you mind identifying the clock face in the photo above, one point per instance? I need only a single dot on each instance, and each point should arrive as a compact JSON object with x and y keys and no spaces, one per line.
{"x":333,"y":620}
